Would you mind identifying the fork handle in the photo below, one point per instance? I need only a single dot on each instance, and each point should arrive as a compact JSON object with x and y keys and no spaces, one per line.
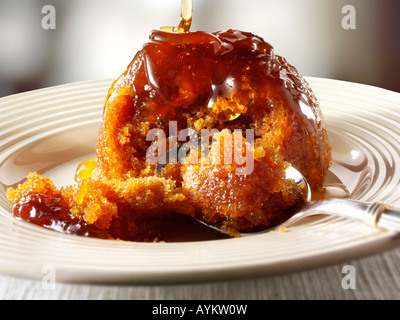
{"x":376,"y":214}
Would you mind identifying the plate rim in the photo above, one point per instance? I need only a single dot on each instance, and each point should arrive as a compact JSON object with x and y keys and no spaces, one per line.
{"x":383,"y":242}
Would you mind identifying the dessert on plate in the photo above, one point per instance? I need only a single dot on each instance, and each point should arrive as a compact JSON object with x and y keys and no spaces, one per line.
{"x":223,"y":115}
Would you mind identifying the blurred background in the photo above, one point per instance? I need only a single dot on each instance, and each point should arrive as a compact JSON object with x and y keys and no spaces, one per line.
{"x":96,"y":39}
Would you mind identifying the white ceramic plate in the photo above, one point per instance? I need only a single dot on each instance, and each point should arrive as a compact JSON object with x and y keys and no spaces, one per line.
{"x":52,"y":130}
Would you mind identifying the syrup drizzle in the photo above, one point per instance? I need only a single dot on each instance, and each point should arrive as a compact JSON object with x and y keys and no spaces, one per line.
{"x":186,"y":18}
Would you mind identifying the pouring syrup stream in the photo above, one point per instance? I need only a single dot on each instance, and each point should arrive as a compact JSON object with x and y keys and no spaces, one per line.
{"x":186,"y":16}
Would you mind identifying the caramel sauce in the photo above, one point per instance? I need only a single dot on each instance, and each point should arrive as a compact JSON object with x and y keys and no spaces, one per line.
{"x":186,"y":18}
{"x":227,"y":71}
{"x":85,"y":169}
{"x":51,"y":213}
{"x":336,"y":190}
